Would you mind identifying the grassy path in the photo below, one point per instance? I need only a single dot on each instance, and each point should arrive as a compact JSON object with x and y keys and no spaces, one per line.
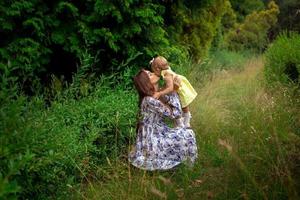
{"x":247,"y":147}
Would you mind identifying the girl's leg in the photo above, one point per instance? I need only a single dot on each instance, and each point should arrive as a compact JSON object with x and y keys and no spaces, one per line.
{"x":173,"y":101}
{"x":186,"y":117}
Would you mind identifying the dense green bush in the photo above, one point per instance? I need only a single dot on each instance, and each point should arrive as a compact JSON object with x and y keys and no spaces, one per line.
{"x":282,"y":59}
{"x":41,"y":38}
{"x":46,"y":152}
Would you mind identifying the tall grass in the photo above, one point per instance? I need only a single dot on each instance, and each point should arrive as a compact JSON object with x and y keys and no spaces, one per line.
{"x":47,"y":151}
{"x":249,"y":133}
{"x":248,"y":140}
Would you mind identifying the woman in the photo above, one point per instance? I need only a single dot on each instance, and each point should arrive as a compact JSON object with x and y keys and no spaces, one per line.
{"x":159,"y":147}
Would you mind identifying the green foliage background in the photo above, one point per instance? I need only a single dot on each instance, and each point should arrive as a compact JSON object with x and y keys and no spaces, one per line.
{"x":66,"y":98}
{"x":253,"y":32}
{"x":41,"y":38}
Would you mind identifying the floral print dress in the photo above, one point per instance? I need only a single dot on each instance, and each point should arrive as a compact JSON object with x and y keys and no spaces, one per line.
{"x":159,"y":147}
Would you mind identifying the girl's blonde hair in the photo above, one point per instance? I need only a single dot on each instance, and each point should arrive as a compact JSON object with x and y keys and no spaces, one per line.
{"x":159,"y":62}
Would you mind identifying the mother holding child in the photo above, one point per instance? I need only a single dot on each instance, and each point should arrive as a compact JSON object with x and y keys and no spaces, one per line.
{"x":158,"y":146}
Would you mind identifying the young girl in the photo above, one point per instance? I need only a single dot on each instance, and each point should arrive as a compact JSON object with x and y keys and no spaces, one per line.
{"x":173,"y":81}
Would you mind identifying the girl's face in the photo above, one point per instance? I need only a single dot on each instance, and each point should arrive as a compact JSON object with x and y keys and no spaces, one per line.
{"x":153,"y":78}
{"x":156,"y":70}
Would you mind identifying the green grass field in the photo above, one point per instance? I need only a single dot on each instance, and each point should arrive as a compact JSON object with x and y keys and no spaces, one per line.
{"x":248,"y":140}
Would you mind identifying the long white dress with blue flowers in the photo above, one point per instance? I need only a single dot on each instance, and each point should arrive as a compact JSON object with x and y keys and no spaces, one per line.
{"x":159,"y":147}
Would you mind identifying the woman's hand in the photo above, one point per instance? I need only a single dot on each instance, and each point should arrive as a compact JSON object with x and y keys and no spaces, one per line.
{"x":156,"y":95}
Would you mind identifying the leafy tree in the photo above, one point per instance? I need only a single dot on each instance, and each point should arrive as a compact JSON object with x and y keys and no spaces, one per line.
{"x":194,"y":25}
{"x":228,"y":21}
{"x":245,"y":7}
{"x":252,"y":33}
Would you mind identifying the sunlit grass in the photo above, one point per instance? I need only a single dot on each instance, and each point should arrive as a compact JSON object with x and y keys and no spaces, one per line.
{"x":244,"y":130}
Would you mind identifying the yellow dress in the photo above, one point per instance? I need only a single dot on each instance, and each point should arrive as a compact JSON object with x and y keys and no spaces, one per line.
{"x":186,"y":91}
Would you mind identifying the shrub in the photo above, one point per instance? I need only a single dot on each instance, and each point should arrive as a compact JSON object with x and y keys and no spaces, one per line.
{"x":282,"y":59}
{"x":46,"y":152}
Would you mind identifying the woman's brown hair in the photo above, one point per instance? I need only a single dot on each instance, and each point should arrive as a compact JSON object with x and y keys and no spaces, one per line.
{"x":143,"y":85}
{"x":144,"y":88}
